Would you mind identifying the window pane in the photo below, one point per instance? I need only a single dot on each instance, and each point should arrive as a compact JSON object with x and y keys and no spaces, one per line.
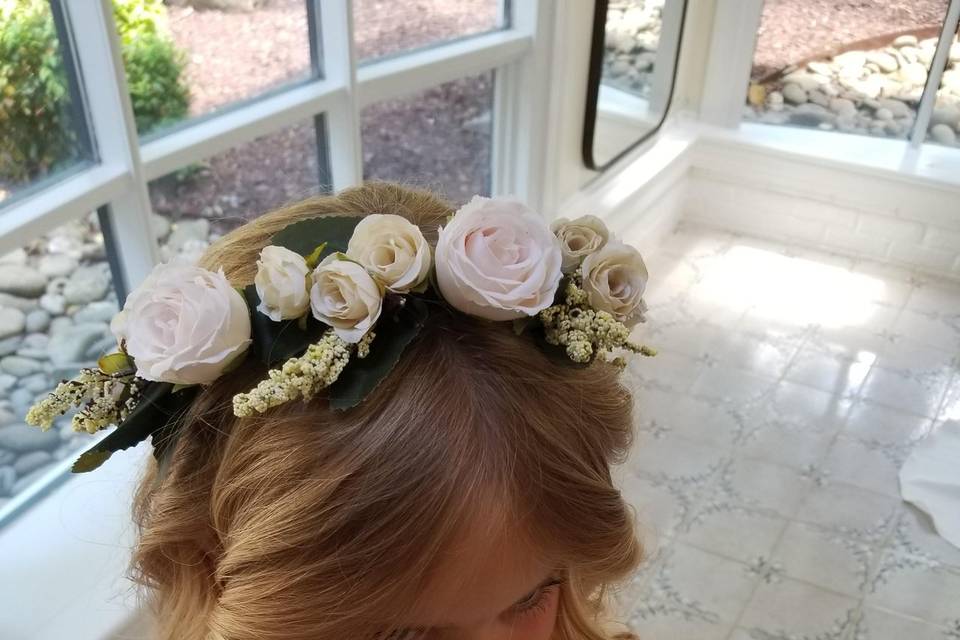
{"x":439,"y":139}
{"x":42,"y":130}
{"x":945,"y":119}
{"x":190,"y":58}
{"x":56,"y":300}
{"x":199,"y":203}
{"x":859,"y":67}
{"x":386,"y":27}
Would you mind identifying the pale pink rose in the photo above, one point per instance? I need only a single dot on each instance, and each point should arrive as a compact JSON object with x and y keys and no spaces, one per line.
{"x":281,"y":283}
{"x":345,"y":297}
{"x":498,"y":260}
{"x":392,"y":249}
{"x":183,"y":325}
{"x":614,"y":279}
{"x":579,"y":238}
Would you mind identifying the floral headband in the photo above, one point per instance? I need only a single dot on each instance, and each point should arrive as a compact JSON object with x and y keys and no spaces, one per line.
{"x":335,"y":302}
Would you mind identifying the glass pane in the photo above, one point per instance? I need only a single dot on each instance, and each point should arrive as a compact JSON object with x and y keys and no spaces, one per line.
{"x":199,"y":203}
{"x":42,"y":130}
{"x":859,"y":67}
{"x":387,"y":27}
{"x":945,"y":119}
{"x":56,"y":300}
{"x":438,"y":139}
{"x":197,"y":56}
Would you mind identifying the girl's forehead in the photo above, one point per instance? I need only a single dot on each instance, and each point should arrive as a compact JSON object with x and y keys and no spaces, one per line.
{"x":480,"y":575}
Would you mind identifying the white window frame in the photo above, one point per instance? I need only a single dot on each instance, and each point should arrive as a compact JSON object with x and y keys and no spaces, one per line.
{"x":731,"y":50}
{"x":519,"y":55}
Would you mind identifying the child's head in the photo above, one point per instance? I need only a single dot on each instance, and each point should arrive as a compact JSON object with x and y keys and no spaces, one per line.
{"x":469,"y":496}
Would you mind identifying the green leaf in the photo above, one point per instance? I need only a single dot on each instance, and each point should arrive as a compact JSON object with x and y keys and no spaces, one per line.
{"x":306,"y":236}
{"x":158,"y":408}
{"x":394,"y":333}
{"x":116,"y":363}
{"x":279,"y":341}
{"x":314,"y":258}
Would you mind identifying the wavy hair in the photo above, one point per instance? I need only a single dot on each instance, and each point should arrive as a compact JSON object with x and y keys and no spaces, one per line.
{"x":304,"y":522}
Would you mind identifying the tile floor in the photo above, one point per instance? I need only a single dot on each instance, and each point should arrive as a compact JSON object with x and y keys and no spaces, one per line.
{"x":789,"y":388}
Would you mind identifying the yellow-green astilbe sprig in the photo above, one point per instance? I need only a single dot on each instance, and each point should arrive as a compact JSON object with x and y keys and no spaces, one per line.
{"x":103,"y":399}
{"x":300,"y":377}
{"x":584,"y":332}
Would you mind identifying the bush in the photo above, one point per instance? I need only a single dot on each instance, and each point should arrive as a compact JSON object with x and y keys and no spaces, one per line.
{"x":36,"y":132}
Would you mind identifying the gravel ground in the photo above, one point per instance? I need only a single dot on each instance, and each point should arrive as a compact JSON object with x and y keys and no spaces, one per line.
{"x":794,"y":30}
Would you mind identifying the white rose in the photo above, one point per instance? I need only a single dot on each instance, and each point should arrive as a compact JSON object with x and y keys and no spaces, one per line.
{"x":183,"y":325}
{"x":498,"y":260}
{"x":392,"y":249}
{"x":579,"y":238}
{"x":345,"y":297}
{"x":281,"y":283}
{"x":614,"y":279}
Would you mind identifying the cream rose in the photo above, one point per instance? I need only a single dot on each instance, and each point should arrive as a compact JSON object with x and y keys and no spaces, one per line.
{"x":498,"y":260}
{"x":614,"y":279}
{"x":345,"y":297}
{"x":579,"y":238}
{"x":281,"y":283}
{"x":183,"y":325}
{"x":392,"y":249}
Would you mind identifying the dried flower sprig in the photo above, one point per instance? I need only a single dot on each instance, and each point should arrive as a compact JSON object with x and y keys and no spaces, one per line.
{"x":301,"y":377}
{"x":586,"y":333}
{"x":103,"y":399}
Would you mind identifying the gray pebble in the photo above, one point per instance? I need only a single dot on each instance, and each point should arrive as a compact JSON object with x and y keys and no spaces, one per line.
{"x":101,"y":311}
{"x":884,"y":114}
{"x":21,"y":281}
{"x":37,"y":320}
{"x":31,"y":461}
{"x":8,"y":477}
{"x":71,"y":345}
{"x":794,"y":93}
{"x":943,"y":134}
{"x":58,"y":325}
{"x":20,"y":366}
{"x":21,"y":438}
{"x":22,"y":400}
{"x":37,"y":383}
{"x":10,"y":345}
{"x":27,"y":480}
{"x":7,"y":382}
{"x":107,"y":345}
{"x":56,"y":265}
{"x":87,"y":284}
{"x":12,"y":321}
{"x":16,"y":302}
{"x":6,"y":457}
{"x":53,"y":303}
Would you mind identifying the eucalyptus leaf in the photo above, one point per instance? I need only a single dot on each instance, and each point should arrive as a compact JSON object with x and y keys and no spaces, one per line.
{"x":306,"y":236}
{"x":158,"y":407}
{"x":393,"y":333}
{"x":275,"y":342}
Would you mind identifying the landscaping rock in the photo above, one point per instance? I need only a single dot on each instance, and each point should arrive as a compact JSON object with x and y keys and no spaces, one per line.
{"x":53,"y":303}
{"x":943,"y":134}
{"x":37,"y":383}
{"x":56,"y":265}
{"x":21,"y":438}
{"x":16,"y":302}
{"x":21,"y":281}
{"x":185,"y":231}
{"x":794,"y":93}
{"x":12,"y":322}
{"x":10,"y":345}
{"x":31,"y":462}
{"x":87,"y":284}
{"x":101,"y":311}
{"x":7,"y":479}
{"x":20,"y":366}
{"x":70,"y":345}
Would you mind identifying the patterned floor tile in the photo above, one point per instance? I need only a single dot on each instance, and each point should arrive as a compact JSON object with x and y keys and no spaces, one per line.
{"x":883,"y":625}
{"x":792,"y":610}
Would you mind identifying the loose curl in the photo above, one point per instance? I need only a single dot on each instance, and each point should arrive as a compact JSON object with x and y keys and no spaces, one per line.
{"x":302,"y":523}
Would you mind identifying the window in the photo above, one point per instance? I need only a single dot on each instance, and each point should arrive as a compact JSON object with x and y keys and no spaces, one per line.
{"x":231,"y":114}
{"x":439,"y":139}
{"x":193,"y":58}
{"x":945,"y":118}
{"x":42,"y":128}
{"x":386,"y":27}
{"x":56,"y":300}
{"x":853,"y":67}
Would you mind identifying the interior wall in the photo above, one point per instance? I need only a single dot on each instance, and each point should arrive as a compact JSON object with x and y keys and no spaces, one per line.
{"x":888,"y":218}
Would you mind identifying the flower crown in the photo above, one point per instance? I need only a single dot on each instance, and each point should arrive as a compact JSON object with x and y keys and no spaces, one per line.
{"x":335,"y":302}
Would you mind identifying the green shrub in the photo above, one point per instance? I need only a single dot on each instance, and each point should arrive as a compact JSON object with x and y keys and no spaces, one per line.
{"x":36,"y":132}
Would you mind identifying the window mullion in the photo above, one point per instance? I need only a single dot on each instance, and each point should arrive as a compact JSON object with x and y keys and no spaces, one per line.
{"x":344,"y":158}
{"x":937,"y":66}
{"x":732,"y":42}
{"x":104,"y":84}
{"x":520,"y":100}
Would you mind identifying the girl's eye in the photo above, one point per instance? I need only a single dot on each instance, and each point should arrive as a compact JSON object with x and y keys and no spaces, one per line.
{"x":405,"y":634}
{"x":537,"y":601}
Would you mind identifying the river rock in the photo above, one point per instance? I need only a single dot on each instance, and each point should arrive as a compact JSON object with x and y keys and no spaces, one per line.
{"x":947,"y":114}
{"x":8,"y":478}
{"x":10,"y":345}
{"x":160,"y":225}
{"x":883,"y":114}
{"x":7,"y":382}
{"x":12,"y":322}
{"x":37,"y":383}
{"x":843,"y":107}
{"x":884,"y":61}
{"x":53,"y":303}
{"x":914,"y":73}
{"x":794,"y":93}
{"x":71,"y":345}
{"x":17,"y":256}
{"x":943,"y":134}
{"x":87,"y":284}
{"x":21,"y":438}
{"x":818,"y":97}
{"x":955,"y":52}
{"x":851,"y":62}
{"x":905,"y":41}
{"x":811,"y":115}
{"x":56,"y":265}
{"x":37,"y":320}
{"x":16,"y":302}
{"x":32,"y":461}
{"x":896,"y":107}
{"x":20,"y":366}
{"x":101,"y":311}
{"x":186,"y":230}
{"x":805,"y":80}
{"x":21,"y":281}
{"x":6,"y":457}
{"x":107,"y":344}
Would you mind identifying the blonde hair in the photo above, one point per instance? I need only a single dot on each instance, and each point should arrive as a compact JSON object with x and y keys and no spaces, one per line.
{"x":303,"y":523}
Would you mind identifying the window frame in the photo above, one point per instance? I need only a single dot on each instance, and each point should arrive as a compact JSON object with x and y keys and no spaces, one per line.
{"x":723,"y":94}
{"x":115,"y":182}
